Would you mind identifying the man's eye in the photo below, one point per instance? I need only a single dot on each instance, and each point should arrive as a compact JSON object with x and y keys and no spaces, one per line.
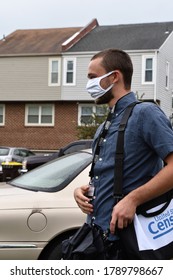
{"x":93,"y":77}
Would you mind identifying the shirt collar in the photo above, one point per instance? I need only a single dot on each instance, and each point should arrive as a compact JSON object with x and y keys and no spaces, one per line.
{"x":124,"y":101}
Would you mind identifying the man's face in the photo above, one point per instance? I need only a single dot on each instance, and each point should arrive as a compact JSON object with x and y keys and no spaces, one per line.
{"x":95,"y":69}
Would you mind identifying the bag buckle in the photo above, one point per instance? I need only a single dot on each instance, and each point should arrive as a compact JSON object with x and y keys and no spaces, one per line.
{"x":118,"y":197}
{"x":105,"y":234}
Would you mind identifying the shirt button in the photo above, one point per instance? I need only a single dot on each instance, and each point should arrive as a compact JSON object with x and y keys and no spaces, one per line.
{"x":96,"y":177}
{"x":104,"y":140}
{"x":100,"y":159}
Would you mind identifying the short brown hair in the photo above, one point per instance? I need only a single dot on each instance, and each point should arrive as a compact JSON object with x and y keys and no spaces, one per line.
{"x":115,"y":59}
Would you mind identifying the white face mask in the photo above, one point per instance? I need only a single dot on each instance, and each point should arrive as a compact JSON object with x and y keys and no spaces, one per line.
{"x":94,"y":88}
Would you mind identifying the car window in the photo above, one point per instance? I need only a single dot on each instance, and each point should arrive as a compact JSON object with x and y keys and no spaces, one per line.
{"x":54,"y":175}
{"x":4,"y":151}
{"x":29,"y":153}
{"x":25,"y":153}
{"x":17,"y":152}
{"x":74,"y":148}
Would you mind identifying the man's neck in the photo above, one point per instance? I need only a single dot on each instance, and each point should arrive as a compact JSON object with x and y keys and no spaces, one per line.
{"x":119,"y":95}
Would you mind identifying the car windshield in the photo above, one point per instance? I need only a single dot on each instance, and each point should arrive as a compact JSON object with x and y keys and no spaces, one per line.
{"x":54,"y":175}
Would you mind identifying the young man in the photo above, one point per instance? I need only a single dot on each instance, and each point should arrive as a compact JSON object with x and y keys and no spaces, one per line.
{"x":148,"y":143}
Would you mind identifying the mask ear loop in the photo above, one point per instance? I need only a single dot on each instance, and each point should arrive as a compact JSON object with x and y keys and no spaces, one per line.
{"x":104,"y":76}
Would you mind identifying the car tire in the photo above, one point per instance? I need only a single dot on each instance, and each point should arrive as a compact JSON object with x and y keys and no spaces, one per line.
{"x":53,"y":251}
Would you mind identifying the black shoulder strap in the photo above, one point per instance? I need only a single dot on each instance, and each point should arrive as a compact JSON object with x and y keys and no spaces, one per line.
{"x":119,"y":156}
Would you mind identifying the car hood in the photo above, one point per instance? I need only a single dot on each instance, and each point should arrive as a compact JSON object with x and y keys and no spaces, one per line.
{"x":17,"y":198}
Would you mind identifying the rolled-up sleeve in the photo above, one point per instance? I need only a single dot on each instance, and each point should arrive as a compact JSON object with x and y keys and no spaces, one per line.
{"x":157,"y":130}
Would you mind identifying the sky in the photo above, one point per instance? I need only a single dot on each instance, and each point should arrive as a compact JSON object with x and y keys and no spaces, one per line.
{"x":39,"y":14}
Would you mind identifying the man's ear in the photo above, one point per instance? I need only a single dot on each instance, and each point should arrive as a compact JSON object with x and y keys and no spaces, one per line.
{"x":116,"y":76}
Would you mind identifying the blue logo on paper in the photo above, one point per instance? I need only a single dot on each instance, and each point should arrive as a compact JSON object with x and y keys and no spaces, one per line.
{"x":161,"y":224}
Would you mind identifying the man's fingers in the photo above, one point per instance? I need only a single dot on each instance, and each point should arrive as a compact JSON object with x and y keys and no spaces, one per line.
{"x":119,"y":223}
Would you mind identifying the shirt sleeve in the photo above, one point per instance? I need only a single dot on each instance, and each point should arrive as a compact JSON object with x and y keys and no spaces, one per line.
{"x":156,"y":129}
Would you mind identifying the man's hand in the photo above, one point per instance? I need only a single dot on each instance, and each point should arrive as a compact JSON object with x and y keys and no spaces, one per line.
{"x":82,"y":200}
{"x":122,"y":214}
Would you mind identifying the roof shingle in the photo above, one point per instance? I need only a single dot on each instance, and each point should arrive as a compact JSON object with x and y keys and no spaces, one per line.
{"x":36,"y":41}
{"x":143,"y":36}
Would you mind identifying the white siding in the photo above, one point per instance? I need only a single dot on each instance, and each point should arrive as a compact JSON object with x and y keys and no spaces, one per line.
{"x":145,"y":90}
{"x":78,"y":92}
{"x":26,"y":78}
{"x":153,"y":91}
{"x":165,"y":54}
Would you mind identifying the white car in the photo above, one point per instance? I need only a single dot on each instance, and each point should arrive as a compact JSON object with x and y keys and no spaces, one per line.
{"x":13,"y":154}
{"x":38,"y":210}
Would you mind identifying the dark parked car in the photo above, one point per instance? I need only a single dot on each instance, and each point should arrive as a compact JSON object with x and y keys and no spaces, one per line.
{"x":37,"y":160}
{"x":12,"y":155}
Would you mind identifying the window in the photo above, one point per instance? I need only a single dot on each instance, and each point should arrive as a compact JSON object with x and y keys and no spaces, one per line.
{"x":69,"y":71}
{"x":39,"y":115}
{"x":2,"y":114}
{"x":4,"y":151}
{"x":86,"y":114}
{"x":54,"y":72}
{"x":23,"y":152}
{"x":148,"y":69}
{"x":88,"y":111}
{"x":167,"y":75}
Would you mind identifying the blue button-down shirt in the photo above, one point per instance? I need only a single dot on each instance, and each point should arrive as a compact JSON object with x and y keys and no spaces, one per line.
{"x":148,"y":140}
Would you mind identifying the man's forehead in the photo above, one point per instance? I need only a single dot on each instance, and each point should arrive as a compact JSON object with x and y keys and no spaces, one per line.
{"x":95,"y":67}
{"x":97,"y":60}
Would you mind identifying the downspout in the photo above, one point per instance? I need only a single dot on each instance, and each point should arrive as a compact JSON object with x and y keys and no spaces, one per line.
{"x":155,"y":78}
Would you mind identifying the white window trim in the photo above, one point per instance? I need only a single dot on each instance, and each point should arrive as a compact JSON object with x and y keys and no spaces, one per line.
{"x":50,"y":71}
{"x":66,"y":59}
{"x":80,"y":110}
{"x":144,"y":57}
{"x":167,"y":74}
{"x":39,"y":124}
{"x":3,"y":111}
